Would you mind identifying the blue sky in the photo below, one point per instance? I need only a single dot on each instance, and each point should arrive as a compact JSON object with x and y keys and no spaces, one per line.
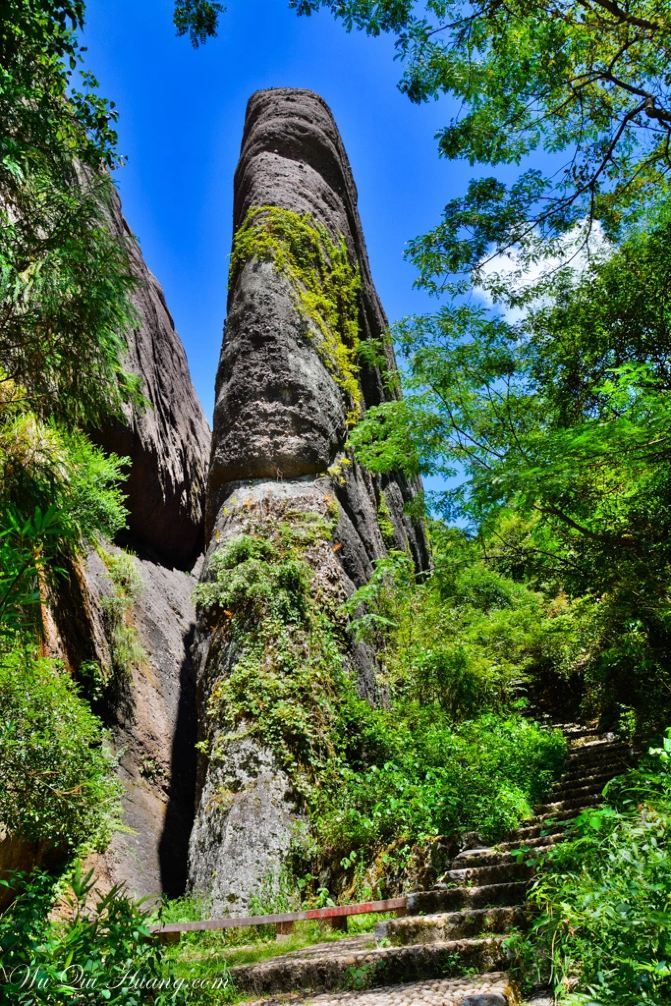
{"x":181,"y":117}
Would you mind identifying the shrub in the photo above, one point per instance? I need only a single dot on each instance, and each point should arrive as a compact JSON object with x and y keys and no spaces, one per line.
{"x":440,"y":779}
{"x":91,"y":956}
{"x":56,"y":782}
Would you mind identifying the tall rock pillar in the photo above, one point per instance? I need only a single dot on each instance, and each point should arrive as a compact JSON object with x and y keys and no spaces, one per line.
{"x":294,"y":525}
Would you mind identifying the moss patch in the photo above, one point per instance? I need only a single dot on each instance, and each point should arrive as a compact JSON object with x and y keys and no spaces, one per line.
{"x":325,"y":283}
{"x":287,"y":680}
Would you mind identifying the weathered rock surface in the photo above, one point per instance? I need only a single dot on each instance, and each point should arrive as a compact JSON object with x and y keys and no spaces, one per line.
{"x":153,"y":719}
{"x":169,"y":441}
{"x":280,"y":424}
{"x":278,"y":412}
{"x":153,"y":725}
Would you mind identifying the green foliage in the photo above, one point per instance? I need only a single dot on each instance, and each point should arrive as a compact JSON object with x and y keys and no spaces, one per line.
{"x":467,"y":638}
{"x":65,"y":277}
{"x":56,"y":783}
{"x":559,"y":426}
{"x":198,"y":19}
{"x":43,"y":465}
{"x":103,"y":955}
{"x":446,"y":756}
{"x":584,"y":81}
{"x":324,"y":281}
{"x":605,"y":926}
{"x":288,"y":676}
{"x":126,"y":648}
{"x":430,"y":777}
{"x":58,"y":492}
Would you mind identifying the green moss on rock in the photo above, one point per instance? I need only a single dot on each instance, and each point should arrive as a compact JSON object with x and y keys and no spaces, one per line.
{"x":325,"y":283}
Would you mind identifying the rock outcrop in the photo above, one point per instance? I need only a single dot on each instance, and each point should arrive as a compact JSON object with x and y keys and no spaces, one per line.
{"x":294,"y":525}
{"x":148,"y":698}
{"x":168,"y":442}
{"x":153,"y":724}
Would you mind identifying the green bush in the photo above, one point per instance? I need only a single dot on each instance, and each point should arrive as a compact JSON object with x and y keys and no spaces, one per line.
{"x":99,"y":954}
{"x":56,"y":780}
{"x":604,"y":932}
{"x":431,"y":777}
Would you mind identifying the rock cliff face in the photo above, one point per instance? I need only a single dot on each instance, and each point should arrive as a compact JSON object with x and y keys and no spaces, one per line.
{"x":169,"y":441}
{"x":294,"y":526}
{"x":151,"y":708}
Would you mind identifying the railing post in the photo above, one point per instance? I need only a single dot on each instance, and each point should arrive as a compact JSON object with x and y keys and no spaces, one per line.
{"x":284,"y":928}
{"x":339,"y":923}
{"x":169,"y":937}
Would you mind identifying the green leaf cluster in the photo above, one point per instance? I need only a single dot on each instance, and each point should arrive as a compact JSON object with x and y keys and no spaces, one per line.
{"x":65,"y":277}
{"x":97,"y":950}
{"x":558,"y":425}
{"x":585,"y":82}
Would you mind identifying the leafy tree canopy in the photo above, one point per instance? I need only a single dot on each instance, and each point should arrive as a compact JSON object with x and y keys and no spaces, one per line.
{"x":585,"y":81}
{"x":64,"y":275}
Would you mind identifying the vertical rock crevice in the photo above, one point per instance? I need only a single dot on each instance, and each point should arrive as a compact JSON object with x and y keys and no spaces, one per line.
{"x":293,"y":523}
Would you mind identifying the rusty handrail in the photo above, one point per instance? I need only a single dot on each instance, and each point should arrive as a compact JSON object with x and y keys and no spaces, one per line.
{"x":337,"y":915}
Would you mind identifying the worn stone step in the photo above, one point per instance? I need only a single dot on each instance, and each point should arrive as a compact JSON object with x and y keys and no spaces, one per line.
{"x":586,"y":753}
{"x":494,"y":989}
{"x":575,"y":804}
{"x":498,"y":873}
{"x":588,"y":768}
{"x":495,"y":855}
{"x":607,"y":770}
{"x":575,"y":731}
{"x":533,"y":842}
{"x":439,"y":928}
{"x":600,"y":775}
{"x":545,"y":824}
{"x":336,"y":966}
{"x":572,"y":790}
{"x":452,"y":899}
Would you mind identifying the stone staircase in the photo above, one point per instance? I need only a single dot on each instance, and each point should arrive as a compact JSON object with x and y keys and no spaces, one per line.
{"x":449,"y":950}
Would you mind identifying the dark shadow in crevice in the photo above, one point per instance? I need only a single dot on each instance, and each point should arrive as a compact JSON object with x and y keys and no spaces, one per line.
{"x":173,"y":847}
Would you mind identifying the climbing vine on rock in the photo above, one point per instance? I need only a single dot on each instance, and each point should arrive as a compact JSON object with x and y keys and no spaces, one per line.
{"x":280,"y":619}
{"x":325,"y":283}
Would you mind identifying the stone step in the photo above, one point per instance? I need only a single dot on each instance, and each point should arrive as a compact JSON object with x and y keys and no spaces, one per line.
{"x":498,"y":873}
{"x":575,"y":804}
{"x":608,"y":768}
{"x":574,"y":731}
{"x":545,"y":824}
{"x":600,"y":775}
{"x":585,"y":753}
{"x":495,"y":989}
{"x":533,"y":842}
{"x":496,"y":855}
{"x":568,"y":789}
{"x":440,"y":928}
{"x":452,"y":899}
{"x":351,"y":964}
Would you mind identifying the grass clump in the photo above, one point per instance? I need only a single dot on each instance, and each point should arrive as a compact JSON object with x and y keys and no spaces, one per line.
{"x":126,"y":649}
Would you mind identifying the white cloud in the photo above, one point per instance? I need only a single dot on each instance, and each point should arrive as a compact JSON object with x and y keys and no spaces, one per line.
{"x":575,"y":250}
